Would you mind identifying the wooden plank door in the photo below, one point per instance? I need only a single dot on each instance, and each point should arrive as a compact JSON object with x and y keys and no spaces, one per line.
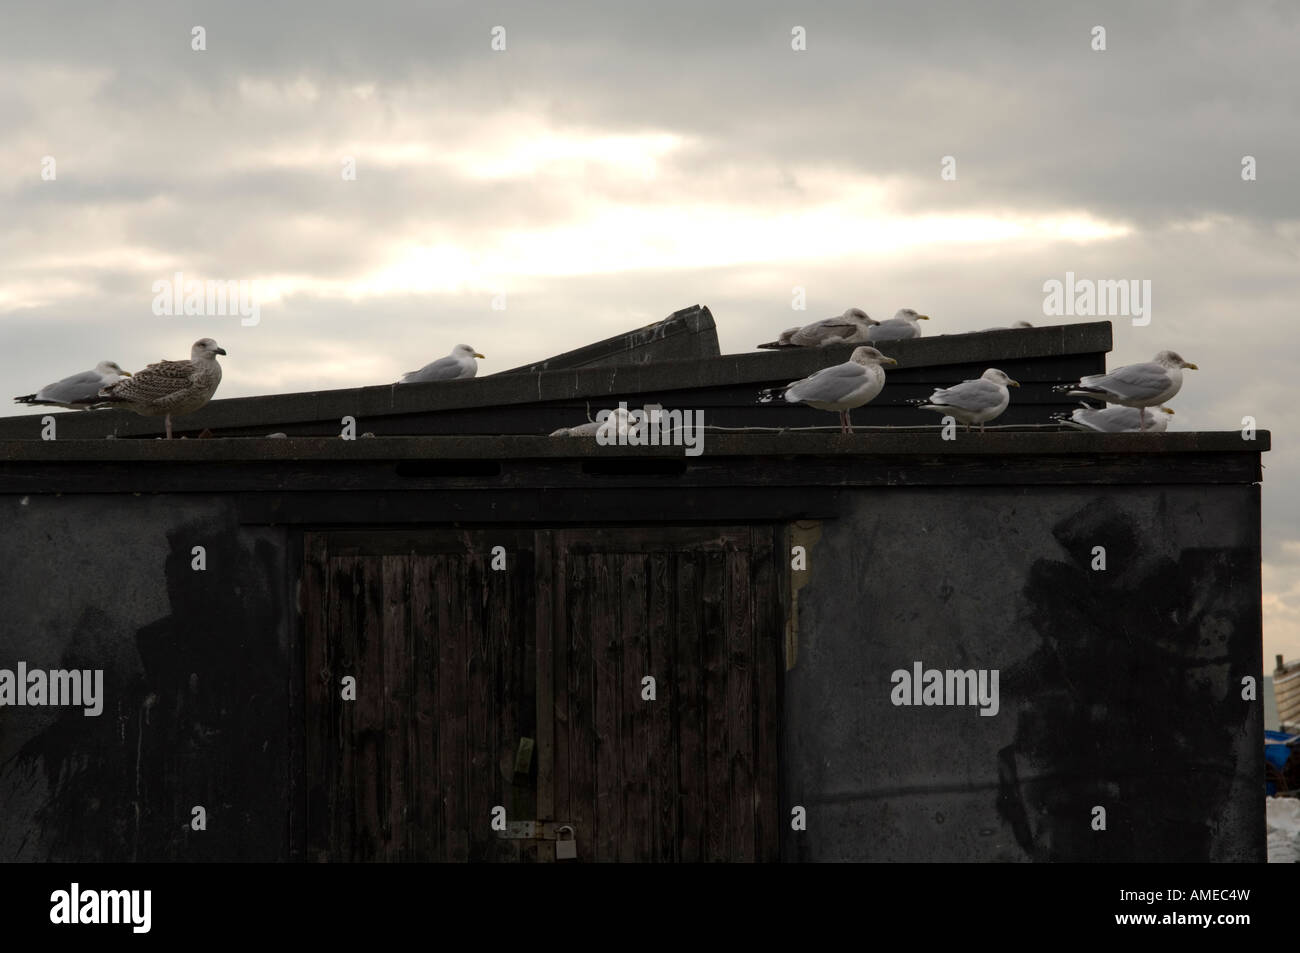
{"x":454,"y":662}
{"x":441,"y":648}
{"x":693,"y":774}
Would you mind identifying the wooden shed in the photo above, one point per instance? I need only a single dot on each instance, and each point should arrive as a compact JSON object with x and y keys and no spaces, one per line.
{"x":438,"y":643}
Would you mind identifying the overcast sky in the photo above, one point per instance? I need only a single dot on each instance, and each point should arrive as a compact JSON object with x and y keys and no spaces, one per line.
{"x":617,"y":162}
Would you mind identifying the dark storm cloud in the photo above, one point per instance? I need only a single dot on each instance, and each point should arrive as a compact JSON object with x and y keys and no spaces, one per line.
{"x":1153,"y":128}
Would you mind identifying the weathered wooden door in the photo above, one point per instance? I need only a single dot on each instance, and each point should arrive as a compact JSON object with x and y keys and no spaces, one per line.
{"x":692,"y":774}
{"x":640,"y":666}
{"x":441,"y":648}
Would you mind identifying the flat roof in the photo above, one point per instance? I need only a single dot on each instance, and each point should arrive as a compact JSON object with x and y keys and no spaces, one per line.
{"x":546,"y":392}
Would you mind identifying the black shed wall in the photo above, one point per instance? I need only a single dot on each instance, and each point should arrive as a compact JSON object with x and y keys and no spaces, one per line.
{"x":196,"y":677}
{"x":1118,"y":688}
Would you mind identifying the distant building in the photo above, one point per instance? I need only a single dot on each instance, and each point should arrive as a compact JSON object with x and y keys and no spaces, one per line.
{"x":1286,"y":692}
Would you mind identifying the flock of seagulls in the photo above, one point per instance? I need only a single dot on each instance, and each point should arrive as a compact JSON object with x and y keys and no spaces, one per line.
{"x":844,"y":387}
{"x":173,"y":388}
{"x":855,"y":326}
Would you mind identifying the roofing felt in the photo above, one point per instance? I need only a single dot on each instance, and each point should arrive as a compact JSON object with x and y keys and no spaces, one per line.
{"x":571,"y":387}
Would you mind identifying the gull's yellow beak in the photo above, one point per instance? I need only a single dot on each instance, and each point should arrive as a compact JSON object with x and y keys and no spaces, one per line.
{"x":126,"y":373}
{"x":1011,"y":383}
{"x":1190,"y":367}
{"x":888,"y":360}
{"x":1166,"y":410}
{"x":923,"y":317}
{"x":477,"y":354}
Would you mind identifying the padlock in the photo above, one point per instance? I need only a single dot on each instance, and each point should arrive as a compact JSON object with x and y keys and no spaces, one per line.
{"x":566,"y":848}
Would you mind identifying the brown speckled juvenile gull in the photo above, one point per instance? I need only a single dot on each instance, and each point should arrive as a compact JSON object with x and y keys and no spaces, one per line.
{"x":171,"y":388}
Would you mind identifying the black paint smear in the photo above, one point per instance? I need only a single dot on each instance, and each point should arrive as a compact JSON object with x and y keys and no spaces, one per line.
{"x":203,"y":725}
{"x":1133,"y":704}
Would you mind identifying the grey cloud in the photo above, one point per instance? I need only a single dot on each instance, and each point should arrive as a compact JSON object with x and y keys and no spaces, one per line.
{"x":168,"y":155}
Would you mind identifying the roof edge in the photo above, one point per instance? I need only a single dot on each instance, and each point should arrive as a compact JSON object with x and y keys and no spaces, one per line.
{"x":792,"y":444}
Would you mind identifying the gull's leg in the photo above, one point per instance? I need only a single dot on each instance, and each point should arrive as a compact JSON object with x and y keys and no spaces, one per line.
{"x":1142,"y":419}
{"x":848,"y":420}
{"x":981,"y":426}
{"x":169,"y":426}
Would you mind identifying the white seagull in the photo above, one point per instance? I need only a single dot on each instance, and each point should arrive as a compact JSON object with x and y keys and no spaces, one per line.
{"x":1119,"y":420}
{"x":840,"y":387}
{"x":618,"y":422}
{"x":1137,"y":385}
{"x":974,"y":402}
{"x":902,"y":325}
{"x":80,"y":391}
{"x":458,"y":365}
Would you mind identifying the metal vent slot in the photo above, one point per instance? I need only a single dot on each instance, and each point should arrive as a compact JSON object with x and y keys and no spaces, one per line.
{"x":449,"y":468}
{"x":642,"y":466}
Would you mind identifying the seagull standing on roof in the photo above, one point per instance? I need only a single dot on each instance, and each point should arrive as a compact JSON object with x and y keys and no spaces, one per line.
{"x":170,"y":388}
{"x":80,"y":391}
{"x":1136,"y":385}
{"x":974,"y":402}
{"x":840,"y":387}
{"x":458,"y":365}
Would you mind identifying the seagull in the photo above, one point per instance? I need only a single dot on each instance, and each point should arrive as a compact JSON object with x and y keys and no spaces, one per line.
{"x":170,"y":388}
{"x":849,"y":328}
{"x":840,"y":387}
{"x":458,"y":365}
{"x":617,"y":422}
{"x":1136,"y":385}
{"x":902,"y":325}
{"x":1119,"y":420}
{"x":80,"y":391}
{"x":974,"y":402}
